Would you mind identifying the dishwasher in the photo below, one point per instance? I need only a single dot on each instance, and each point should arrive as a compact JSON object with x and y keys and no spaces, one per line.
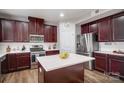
{"x":1,"y":60}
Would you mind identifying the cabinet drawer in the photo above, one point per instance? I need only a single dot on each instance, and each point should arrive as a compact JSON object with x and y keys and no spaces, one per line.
{"x":54,"y":52}
{"x":100,"y":54}
{"x":23,"y":54}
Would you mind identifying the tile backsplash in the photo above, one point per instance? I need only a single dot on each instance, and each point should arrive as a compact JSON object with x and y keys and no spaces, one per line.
{"x":18,"y":46}
{"x":110,"y":46}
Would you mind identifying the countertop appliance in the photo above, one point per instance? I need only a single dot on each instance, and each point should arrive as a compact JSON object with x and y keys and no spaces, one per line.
{"x":36,"y":38}
{"x":86,"y":44}
{"x":36,"y":51}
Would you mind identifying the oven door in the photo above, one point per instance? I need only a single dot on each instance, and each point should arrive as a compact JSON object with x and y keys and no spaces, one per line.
{"x":34,"y":55}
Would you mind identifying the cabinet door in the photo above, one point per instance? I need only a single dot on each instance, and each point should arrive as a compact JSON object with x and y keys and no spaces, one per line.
{"x":101,"y":62}
{"x":0,"y":31}
{"x":12,"y":64}
{"x":4,"y":67}
{"x":39,"y":26}
{"x":23,"y":61}
{"x":116,"y":65}
{"x":18,"y":32}
{"x":8,"y":28}
{"x":32,"y":25}
{"x":93,"y":27}
{"x":84,"y":28}
{"x":54,"y":52}
{"x":118,"y":27}
{"x":46,"y":33}
{"x":25,"y":32}
{"x":54,"y":34}
{"x":21,"y":33}
{"x":104,"y":30}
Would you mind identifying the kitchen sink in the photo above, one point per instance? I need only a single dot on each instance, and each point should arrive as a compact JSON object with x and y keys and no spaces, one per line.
{"x":118,"y":52}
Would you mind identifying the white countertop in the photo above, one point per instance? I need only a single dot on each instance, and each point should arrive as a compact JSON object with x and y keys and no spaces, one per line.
{"x":55,"y":62}
{"x":4,"y":53}
{"x":109,"y":52}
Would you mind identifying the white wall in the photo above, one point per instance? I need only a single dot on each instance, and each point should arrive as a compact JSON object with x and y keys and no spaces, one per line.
{"x":67,"y":33}
{"x":110,"y":46}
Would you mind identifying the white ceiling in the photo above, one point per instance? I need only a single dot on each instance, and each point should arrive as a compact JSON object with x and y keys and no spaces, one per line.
{"x":50,"y":15}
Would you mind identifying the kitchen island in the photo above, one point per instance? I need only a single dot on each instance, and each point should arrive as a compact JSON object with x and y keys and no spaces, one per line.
{"x":53,"y":69}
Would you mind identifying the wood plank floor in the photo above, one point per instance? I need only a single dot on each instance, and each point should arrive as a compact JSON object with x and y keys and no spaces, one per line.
{"x":31,"y":76}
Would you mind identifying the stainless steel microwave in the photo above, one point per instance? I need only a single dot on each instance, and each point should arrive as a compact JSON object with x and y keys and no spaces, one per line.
{"x":36,"y":38}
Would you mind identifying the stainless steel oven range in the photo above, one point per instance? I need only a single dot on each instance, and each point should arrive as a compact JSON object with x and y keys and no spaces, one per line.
{"x":36,"y":51}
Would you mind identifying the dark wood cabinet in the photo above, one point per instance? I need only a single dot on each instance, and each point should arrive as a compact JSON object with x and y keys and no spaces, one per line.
{"x":101,"y":62}
{"x":93,"y":27}
{"x":12,"y":64}
{"x":15,"y":62}
{"x":50,"y":33}
{"x":104,"y":30}
{"x":21,"y":32}
{"x":116,"y":65}
{"x":14,"y":31}
{"x":84,"y":28}
{"x":23,"y":60}
{"x":25,"y":32}
{"x":18,"y":32}
{"x":112,"y":64}
{"x":39,"y":27}
{"x":52,"y":52}
{"x":8,"y":30}
{"x":54,"y":34}
{"x":118,"y":27}
{"x":0,"y":31}
{"x":36,"y":26}
{"x":32,"y":25}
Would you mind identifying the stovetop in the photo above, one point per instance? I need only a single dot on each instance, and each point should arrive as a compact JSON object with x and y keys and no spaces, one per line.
{"x":36,"y":49}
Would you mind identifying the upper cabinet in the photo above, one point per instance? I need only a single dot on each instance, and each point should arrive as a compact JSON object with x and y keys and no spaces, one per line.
{"x":36,"y":26}
{"x":84,"y":28}
{"x":110,"y":29}
{"x":32,"y":25}
{"x":39,"y":27}
{"x":7,"y":29}
{"x":50,"y":33}
{"x":93,"y":27}
{"x":21,"y":32}
{"x":54,"y":34}
{"x":104,"y":30}
{"x":118,"y":27}
{"x":14,"y":31}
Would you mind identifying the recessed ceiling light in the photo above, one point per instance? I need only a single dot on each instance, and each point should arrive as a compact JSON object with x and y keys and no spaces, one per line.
{"x":61,"y":14}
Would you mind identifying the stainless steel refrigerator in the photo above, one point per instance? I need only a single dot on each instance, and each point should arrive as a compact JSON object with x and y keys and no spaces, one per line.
{"x":86,"y":44}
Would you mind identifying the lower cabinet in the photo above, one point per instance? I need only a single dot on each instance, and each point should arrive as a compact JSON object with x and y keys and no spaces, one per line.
{"x":15,"y":61}
{"x":23,"y":61}
{"x":116,"y":65}
{"x":4,"y":66}
{"x":111,"y":64}
{"x":101,"y":62}
{"x":52,"y":52}
{"x":12,"y":64}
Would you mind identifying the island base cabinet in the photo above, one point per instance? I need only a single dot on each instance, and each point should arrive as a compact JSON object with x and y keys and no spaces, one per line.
{"x":70,"y":74}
